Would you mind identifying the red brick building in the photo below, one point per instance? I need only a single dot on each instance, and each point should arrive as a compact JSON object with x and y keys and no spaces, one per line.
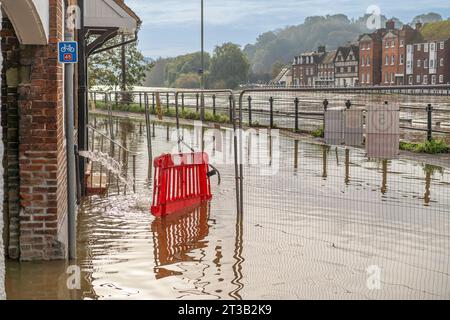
{"x":305,"y":67}
{"x":370,"y":51}
{"x":325,"y":75}
{"x":394,"y":53}
{"x":428,"y":60}
{"x":34,"y":129}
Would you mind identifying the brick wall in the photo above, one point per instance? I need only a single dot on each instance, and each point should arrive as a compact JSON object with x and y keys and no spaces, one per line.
{"x":42,"y":188}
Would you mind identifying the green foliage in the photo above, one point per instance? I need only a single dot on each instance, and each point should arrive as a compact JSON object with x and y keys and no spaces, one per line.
{"x":229,"y":67}
{"x":105,"y":69}
{"x":436,"y":30}
{"x":318,"y":133}
{"x":276,"y":68}
{"x":435,"y":146}
{"x":188,"y":81}
{"x":186,"y":65}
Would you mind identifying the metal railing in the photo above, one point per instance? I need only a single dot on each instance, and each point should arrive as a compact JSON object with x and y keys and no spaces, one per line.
{"x":98,"y":142}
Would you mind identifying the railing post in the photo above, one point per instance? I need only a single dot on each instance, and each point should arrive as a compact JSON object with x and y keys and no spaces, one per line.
{"x":296,"y":103}
{"x":117,"y":100}
{"x":271,"y":112}
{"x":348,"y":104}
{"x":230,"y":99}
{"x":168,"y":101}
{"x":250,"y":111}
{"x":325,"y":108}
{"x":214,"y":104}
{"x":95,"y":98}
{"x":197,"y":96}
{"x":177,"y":114}
{"x":153,"y":103}
{"x":140,"y":101}
{"x":134,"y":173}
{"x":430,"y":122}
{"x":182,"y":101}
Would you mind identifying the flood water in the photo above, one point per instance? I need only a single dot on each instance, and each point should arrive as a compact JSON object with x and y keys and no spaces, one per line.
{"x":318,"y":223}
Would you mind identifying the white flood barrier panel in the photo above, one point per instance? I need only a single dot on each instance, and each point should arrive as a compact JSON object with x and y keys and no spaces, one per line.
{"x":354,"y":127}
{"x":383,"y":131}
{"x":334,"y":126}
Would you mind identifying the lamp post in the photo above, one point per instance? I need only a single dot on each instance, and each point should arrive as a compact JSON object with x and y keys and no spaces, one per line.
{"x":202,"y":70}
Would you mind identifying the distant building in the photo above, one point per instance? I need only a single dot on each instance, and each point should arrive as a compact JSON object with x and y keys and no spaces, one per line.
{"x":325,"y":76}
{"x":284,"y":78}
{"x":370,"y":51}
{"x":346,"y":64}
{"x":305,"y":67}
{"x":394,"y":53}
{"x":428,"y":61}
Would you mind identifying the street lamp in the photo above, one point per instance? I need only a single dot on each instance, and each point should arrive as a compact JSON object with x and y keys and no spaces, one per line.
{"x":202,"y":70}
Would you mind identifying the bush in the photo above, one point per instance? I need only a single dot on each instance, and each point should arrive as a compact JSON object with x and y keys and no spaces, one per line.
{"x":435,"y":146}
{"x":318,"y":133}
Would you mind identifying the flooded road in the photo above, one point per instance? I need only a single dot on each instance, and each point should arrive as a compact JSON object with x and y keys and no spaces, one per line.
{"x":318,"y":223}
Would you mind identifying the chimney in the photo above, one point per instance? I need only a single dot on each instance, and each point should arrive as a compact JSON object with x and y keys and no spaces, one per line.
{"x":419,"y":25}
{"x":322,"y":49}
{"x":390,"y":25}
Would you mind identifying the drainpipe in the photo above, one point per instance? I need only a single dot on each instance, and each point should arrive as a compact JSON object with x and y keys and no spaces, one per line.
{"x":82,"y":98}
{"x":71,"y":171}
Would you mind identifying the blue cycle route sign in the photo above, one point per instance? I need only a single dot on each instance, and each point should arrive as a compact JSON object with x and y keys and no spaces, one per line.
{"x":68,"y":52}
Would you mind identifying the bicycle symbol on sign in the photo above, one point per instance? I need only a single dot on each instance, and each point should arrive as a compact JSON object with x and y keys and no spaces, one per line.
{"x":67,"y":48}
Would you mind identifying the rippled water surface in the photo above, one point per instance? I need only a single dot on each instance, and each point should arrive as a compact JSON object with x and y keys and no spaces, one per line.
{"x":317,"y":221}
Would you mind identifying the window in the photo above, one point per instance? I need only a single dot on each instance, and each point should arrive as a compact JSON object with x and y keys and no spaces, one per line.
{"x":410,"y":80}
{"x":368,"y":78}
{"x":441,"y":63}
{"x":433,"y":46}
{"x":362,"y":61}
{"x":433,"y":79}
{"x":402,"y":59}
{"x":418,"y":78}
{"x":425,"y":47}
{"x":431,"y":64}
{"x":418,"y":63}
{"x":386,"y":44}
{"x":349,"y":69}
{"x":363,"y":78}
{"x":342,"y":69}
{"x":441,"y":78}
{"x":392,"y":78}
{"x":442,"y":45}
{"x":425,"y":79}
{"x":410,"y":49}
{"x":425,"y":63}
{"x":387,"y":60}
{"x":393,"y":60}
{"x":368,"y":61}
{"x":419,"y":47}
{"x":386,"y":78}
{"x":393,"y":44}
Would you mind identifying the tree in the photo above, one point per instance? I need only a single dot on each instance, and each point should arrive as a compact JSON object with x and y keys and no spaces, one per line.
{"x":188,"y":81}
{"x":276,"y":68}
{"x":105,"y":69}
{"x":229,"y":67}
{"x":184,"y":64}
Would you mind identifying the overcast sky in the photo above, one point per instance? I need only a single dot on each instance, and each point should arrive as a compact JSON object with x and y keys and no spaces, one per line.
{"x":172,"y":27}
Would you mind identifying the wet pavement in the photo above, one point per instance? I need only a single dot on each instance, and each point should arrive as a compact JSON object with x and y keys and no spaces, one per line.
{"x":319,"y":223}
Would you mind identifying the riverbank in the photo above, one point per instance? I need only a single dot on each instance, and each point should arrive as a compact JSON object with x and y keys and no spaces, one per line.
{"x":440,"y":160}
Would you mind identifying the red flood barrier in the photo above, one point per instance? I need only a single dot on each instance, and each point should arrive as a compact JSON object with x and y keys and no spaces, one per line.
{"x":181,"y":182}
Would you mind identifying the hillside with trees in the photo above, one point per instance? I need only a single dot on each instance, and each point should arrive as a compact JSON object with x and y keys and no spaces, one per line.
{"x":272,"y":50}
